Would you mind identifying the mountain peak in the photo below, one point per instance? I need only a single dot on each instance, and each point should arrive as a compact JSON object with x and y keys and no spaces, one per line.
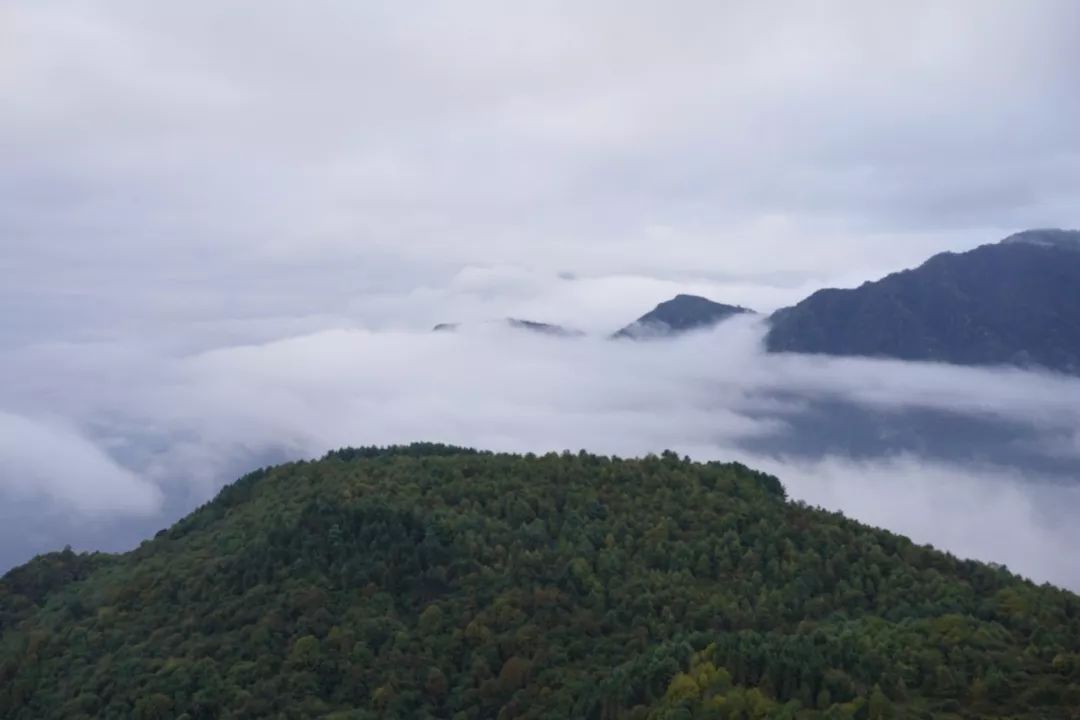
{"x":519,"y":324}
{"x":541,"y":327}
{"x":680,"y":314}
{"x":1007,"y":303}
{"x":1046,"y":237}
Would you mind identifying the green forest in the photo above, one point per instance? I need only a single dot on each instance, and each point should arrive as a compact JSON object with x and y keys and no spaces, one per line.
{"x":435,"y":582}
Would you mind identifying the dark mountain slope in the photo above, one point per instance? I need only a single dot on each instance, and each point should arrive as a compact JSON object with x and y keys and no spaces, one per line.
{"x":545,"y":328}
{"x":519,"y":324}
{"x":1014,"y":302}
{"x":680,"y":314}
{"x":446,"y":327}
{"x":434,"y":582}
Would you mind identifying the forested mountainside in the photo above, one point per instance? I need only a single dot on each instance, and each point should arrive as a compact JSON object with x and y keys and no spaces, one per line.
{"x":434,"y":582}
{"x":1012,"y":302}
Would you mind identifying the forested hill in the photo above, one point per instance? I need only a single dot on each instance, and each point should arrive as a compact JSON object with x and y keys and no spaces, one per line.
{"x":432,"y":582}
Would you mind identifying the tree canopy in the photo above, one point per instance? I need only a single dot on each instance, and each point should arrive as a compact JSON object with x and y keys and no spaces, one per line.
{"x":435,"y":582}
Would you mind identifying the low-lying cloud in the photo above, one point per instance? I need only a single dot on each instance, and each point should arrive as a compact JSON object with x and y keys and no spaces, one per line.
{"x":185,"y":424}
{"x":55,"y":463}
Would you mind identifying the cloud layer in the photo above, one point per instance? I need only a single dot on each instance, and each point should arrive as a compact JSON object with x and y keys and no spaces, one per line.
{"x":225,"y":232}
{"x":188,"y":423}
{"x":56,"y":464}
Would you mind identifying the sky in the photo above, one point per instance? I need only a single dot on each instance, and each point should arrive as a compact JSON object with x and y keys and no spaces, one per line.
{"x":226,"y":229}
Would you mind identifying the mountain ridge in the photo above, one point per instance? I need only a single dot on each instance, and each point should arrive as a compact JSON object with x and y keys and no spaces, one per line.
{"x":1013,"y":302}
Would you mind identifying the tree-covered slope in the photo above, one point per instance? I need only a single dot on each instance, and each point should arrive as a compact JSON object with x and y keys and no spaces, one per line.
{"x":1013,"y":302}
{"x":432,"y":582}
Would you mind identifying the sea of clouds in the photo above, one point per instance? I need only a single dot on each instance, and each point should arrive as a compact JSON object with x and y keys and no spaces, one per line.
{"x":117,"y":440}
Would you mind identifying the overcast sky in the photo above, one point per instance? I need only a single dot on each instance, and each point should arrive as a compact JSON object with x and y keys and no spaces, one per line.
{"x":182,"y":161}
{"x":203,"y":204}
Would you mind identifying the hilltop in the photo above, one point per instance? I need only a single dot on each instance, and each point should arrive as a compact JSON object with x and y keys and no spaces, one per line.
{"x":436,"y":582}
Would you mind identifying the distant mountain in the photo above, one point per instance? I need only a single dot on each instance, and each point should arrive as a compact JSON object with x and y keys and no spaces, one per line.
{"x":545,"y":328}
{"x":1013,"y":302}
{"x":429,"y":581}
{"x":519,"y":324}
{"x":680,"y":314}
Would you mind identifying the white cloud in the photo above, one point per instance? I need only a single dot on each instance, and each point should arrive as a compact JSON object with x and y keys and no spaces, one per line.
{"x":763,"y":139}
{"x":1007,"y":517}
{"x":224,"y":231}
{"x":41,"y":460}
{"x":185,"y":422}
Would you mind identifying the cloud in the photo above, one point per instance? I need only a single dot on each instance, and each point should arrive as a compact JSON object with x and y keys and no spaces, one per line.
{"x":739,"y":139}
{"x":50,"y":461}
{"x":224,"y":235}
{"x":189,"y":423}
{"x":997,"y":515}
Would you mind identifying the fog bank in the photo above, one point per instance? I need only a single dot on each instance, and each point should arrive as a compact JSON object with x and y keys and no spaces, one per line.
{"x":149,"y":434}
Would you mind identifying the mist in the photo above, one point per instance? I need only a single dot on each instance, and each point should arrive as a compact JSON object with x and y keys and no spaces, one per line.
{"x":147,"y":435}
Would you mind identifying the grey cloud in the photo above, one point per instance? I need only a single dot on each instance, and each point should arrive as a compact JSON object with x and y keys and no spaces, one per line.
{"x":51,"y":462}
{"x":473,"y":133}
{"x":224,"y":232}
{"x":188,"y":423}
{"x":991,"y":514}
